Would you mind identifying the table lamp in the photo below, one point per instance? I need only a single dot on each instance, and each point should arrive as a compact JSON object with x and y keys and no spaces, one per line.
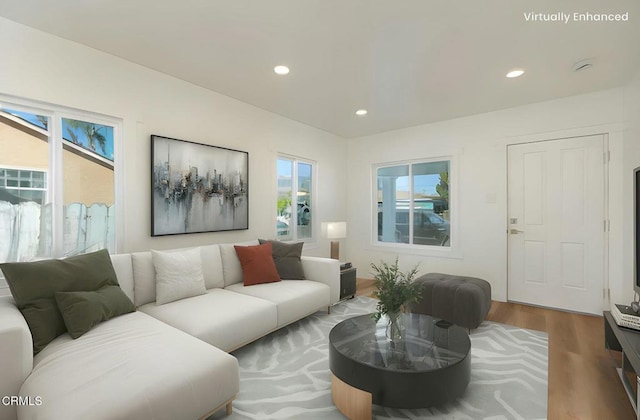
{"x":336,"y":230}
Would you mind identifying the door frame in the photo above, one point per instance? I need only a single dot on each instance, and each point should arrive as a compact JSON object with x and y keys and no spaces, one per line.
{"x":606,"y":156}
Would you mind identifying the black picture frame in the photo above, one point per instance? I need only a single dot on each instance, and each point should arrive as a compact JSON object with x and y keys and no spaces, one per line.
{"x":197,"y":187}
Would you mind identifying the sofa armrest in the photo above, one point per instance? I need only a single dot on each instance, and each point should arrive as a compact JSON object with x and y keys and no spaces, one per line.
{"x":324,"y":270}
{"x":16,"y":354}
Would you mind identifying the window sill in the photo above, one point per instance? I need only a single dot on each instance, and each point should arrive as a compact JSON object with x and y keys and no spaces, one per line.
{"x":421,"y":250}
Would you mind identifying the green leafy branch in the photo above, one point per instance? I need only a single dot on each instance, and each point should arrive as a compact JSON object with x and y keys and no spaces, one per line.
{"x":394,"y":289}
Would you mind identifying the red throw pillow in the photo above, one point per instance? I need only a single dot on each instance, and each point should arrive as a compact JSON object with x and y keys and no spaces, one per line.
{"x":257,"y":264}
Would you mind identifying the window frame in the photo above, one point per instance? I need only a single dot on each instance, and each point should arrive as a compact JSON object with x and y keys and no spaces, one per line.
{"x":454,"y":248}
{"x":294,"y":191}
{"x":55,"y":178}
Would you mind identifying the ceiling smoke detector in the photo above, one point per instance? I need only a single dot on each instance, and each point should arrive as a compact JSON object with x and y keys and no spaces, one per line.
{"x":583,"y":65}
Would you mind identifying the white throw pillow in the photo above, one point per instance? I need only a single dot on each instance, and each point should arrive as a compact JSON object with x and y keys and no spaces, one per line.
{"x":178,"y":275}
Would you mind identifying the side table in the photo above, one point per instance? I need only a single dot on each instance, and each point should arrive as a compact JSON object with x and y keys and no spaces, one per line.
{"x":347,"y":283}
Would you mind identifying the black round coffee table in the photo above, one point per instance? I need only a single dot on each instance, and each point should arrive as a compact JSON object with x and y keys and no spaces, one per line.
{"x":429,"y":366}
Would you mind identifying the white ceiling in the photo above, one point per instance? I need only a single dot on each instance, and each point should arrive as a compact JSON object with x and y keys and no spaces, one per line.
{"x":408,"y":62}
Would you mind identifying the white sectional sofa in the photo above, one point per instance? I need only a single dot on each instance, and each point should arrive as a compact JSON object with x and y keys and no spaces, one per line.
{"x":166,"y":361}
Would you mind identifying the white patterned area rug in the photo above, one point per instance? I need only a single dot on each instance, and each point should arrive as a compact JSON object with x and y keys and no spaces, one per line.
{"x":286,"y":374}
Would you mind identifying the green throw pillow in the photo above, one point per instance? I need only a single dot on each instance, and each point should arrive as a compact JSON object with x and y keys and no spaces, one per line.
{"x":34,"y":284}
{"x":287,"y":259}
{"x":82,"y":311}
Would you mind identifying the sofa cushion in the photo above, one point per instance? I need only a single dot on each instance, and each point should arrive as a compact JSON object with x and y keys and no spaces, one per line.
{"x":212,"y":266}
{"x":124,"y":271}
{"x":178,"y":275}
{"x":295,"y":299}
{"x":257,"y":264}
{"x":221,"y":318}
{"x":81,"y":311}
{"x":144,"y":286}
{"x":131,"y":367}
{"x":145,"y":274}
{"x":33,"y":286}
{"x":287,"y":259}
{"x":231,"y":264}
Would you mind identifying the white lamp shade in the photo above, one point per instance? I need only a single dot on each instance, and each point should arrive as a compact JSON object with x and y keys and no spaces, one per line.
{"x":336,"y":230}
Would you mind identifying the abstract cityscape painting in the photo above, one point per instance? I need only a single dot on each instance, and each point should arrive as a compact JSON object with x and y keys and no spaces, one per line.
{"x":197,"y":187}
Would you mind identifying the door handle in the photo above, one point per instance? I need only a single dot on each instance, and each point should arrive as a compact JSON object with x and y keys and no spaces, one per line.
{"x":515,"y":231}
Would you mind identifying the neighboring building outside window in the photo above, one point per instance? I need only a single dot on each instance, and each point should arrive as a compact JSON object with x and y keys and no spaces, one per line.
{"x":294,"y":219}
{"x":23,"y":184}
{"x":412,"y":203}
{"x":36,"y":200}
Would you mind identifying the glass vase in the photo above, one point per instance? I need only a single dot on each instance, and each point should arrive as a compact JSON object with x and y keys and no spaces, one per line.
{"x":394,"y":326}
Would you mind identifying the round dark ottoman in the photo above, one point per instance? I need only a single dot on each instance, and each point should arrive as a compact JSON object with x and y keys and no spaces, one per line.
{"x":465,"y":301}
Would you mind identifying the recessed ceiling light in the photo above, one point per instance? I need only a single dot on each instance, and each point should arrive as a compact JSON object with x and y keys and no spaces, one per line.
{"x":361,"y":112}
{"x":515,"y":73}
{"x":281,"y":70}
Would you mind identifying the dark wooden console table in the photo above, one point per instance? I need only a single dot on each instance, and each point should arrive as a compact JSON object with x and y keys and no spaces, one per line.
{"x":627,"y":341}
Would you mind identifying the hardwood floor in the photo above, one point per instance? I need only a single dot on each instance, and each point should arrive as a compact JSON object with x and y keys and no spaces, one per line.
{"x":583,"y":382}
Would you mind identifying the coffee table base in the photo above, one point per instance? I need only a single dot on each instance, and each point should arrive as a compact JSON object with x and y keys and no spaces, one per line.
{"x":352,"y":402}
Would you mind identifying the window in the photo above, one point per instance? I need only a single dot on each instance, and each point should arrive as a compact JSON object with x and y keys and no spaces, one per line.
{"x":294,"y":217}
{"x":412,"y":203}
{"x":19,"y":185}
{"x":57,"y":183}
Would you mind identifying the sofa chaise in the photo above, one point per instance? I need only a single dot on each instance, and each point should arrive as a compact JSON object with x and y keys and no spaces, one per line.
{"x":162,"y":361}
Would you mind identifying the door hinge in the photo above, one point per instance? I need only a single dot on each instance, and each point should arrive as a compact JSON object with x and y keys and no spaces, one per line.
{"x":607,"y":225}
{"x":607,"y":156}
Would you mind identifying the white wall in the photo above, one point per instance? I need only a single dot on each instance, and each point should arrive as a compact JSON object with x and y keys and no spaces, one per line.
{"x":480,"y":143}
{"x":631,"y":159}
{"x":42,"y":67}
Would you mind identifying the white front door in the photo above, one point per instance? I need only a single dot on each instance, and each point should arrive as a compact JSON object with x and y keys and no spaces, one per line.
{"x":556,"y":223}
